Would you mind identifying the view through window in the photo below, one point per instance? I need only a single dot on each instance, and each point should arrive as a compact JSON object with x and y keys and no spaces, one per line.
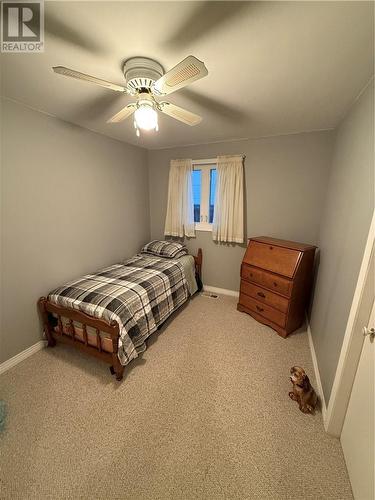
{"x":197,"y":184}
{"x":204,"y":189}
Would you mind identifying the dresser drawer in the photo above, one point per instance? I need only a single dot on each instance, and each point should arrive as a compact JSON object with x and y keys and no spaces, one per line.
{"x":271,"y":281}
{"x":264,"y":310}
{"x":273,"y":258}
{"x":265,"y":296}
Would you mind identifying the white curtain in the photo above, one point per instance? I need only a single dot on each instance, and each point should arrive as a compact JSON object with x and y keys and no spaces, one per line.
{"x":180,"y":208}
{"x":228,"y":224}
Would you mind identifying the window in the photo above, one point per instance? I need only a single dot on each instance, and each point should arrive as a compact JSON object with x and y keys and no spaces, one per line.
{"x":204,"y":188}
{"x":213,"y":172}
{"x":197,"y":183}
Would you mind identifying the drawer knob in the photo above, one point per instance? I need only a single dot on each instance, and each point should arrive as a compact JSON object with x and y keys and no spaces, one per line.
{"x":261,"y":294}
{"x":271,"y":248}
{"x":274,"y":283}
{"x":260,"y":308}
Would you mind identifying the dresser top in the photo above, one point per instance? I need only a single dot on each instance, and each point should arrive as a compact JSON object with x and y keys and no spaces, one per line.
{"x":293,"y":245}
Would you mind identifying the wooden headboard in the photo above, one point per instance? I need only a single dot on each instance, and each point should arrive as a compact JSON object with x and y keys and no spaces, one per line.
{"x":198,"y":262}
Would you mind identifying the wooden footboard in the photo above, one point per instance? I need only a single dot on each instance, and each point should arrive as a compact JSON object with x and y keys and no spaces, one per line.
{"x":69,"y":335}
{"x":52,"y":316}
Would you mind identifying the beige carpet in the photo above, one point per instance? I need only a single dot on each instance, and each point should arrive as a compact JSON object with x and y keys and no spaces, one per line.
{"x":205,"y":414}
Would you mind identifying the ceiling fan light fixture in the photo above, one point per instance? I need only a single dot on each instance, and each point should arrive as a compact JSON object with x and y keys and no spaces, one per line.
{"x":145,"y":80}
{"x":145,"y":117}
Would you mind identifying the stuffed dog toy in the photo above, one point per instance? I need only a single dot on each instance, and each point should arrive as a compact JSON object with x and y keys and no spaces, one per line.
{"x":303,"y":392}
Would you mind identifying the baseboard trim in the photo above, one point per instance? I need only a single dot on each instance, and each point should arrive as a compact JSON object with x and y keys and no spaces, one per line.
{"x":9,"y":363}
{"x":319,"y":388}
{"x":220,"y":291}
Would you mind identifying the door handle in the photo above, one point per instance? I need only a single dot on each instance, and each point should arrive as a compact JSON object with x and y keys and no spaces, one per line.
{"x":368,"y":331}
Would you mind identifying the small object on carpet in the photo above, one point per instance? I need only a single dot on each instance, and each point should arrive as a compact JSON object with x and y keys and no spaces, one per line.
{"x":303,"y":392}
{"x":210,"y":295}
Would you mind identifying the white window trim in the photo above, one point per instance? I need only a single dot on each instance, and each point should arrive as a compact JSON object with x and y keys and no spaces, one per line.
{"x":205,"y":166}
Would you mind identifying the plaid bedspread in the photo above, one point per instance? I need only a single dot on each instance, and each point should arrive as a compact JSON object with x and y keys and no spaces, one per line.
{"x":139,"y":294}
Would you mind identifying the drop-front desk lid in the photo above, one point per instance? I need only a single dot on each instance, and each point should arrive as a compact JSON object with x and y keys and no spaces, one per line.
{"x":294,"y":245}
{"x":278,"y":256}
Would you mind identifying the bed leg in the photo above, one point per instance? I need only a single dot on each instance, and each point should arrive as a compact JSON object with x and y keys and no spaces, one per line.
{"x":119,"y":373}
{"x":46,"y":324}
{"x":117,"y":367}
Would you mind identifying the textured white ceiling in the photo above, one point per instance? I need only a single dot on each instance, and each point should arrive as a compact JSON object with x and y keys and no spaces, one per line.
{"x":274,"y":67}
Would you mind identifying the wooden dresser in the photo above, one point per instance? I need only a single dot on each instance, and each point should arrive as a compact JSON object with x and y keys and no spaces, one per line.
{"x":276,"y":279}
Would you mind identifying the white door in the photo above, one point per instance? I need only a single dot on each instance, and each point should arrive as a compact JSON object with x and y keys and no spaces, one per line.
{"x":357,"y":437}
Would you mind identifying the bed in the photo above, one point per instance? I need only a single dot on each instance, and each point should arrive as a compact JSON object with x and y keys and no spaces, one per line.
{"x":111,"y":313}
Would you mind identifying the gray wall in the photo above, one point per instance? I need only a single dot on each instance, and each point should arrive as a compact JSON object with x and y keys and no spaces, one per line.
{"x":286,"y":180}
{"x":72,"y":201}
{"x":344,"y":228}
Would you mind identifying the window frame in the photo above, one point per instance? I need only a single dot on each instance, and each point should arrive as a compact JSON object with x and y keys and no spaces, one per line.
{"x":205,"y":167}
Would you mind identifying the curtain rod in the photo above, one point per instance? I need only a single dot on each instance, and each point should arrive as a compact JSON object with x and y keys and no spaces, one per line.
{"x":210,"y":161}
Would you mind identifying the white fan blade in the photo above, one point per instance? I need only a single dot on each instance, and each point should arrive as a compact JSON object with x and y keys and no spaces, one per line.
{"x":187,"y":71}
{"x":180,"y":114}
{"x":61,"y":70}
{"x":123,"y":114}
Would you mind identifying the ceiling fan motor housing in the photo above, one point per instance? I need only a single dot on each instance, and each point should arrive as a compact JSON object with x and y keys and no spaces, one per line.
{"x":141,"y":73}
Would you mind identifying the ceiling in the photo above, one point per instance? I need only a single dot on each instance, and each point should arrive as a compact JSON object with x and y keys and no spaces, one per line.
{"x":274,"y":67}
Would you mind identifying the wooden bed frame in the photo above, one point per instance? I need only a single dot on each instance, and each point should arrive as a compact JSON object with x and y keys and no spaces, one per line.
{"x":47,"y":309}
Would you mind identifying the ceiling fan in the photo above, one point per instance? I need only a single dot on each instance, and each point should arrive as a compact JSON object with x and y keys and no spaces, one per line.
{"x":146,"y":81}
